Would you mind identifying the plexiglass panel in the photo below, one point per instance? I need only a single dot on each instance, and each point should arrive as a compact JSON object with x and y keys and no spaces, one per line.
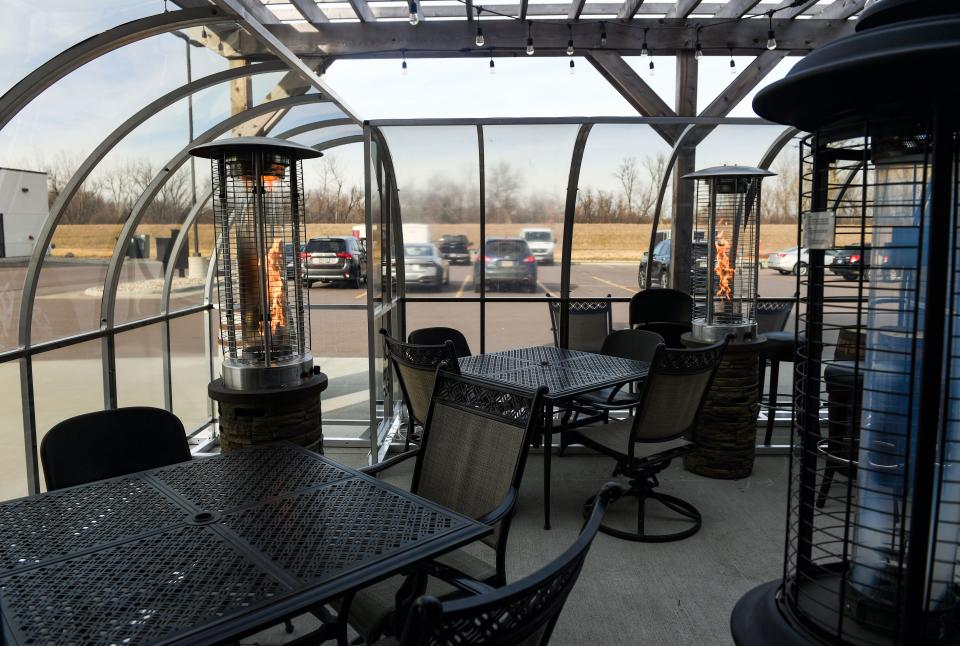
{"x":339,"y":345}
{"x":189,"y":373}
{"x":13,"y":470}
{"x":140,"y":367}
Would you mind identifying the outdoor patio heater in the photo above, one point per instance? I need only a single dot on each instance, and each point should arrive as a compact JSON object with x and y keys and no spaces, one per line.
{"x":269,"y":389}
{"x":873,"y":525}
{"x":725,"y":252}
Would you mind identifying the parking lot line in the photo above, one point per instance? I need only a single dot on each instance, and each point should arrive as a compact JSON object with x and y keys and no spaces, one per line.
{"x":632,"y":290}
{"x":361,"y":294}
{"x":463,"y":285}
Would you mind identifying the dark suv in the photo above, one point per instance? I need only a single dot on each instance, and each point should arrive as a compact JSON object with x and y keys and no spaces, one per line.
{"x":506,"y":261}
{"x":660,"y":276}
{"x":334,"y":259}
{"x":454,"y":248}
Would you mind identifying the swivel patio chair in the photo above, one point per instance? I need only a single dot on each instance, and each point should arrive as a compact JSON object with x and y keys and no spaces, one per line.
{"x":646,"y":443}
{"x":772,"y":316}
{"x":416,"y":368}
{"x":589,"y":323}
{"x":471,"y":460}
{"x":111,"y":443}
{"x":439,"y":335}
{"x":667,"y":312}
{"x":524,"y":612}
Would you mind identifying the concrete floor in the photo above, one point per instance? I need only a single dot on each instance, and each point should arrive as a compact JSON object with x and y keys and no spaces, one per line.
{"x":644,"y":593}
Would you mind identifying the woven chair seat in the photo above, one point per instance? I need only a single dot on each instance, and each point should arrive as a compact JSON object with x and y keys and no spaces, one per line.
{"x":373,"y":605}
{"x":614,"y":438}
{"x":623,"y":398}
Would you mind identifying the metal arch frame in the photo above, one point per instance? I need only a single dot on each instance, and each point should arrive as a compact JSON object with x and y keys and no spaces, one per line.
{"x":44,"y":237}
{"x":111,"y":282}
{"x":71,"y":59}
{"x":569,"y":217}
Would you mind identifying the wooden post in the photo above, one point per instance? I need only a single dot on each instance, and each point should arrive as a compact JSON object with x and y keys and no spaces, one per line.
{"x":683,"y":207}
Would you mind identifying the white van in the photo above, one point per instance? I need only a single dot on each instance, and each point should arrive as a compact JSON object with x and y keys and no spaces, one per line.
{"x":414,"y":232}
{"x":542,"y":244}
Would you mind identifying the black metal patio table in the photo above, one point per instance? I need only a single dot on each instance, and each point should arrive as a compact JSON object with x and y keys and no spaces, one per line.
{"x":566,"y":374}
{"x":209,"y":550}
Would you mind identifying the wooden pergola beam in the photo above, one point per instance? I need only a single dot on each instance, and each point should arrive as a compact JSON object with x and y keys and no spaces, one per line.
{"x":363,"y":10}
{"x":309,"y":10}
{"x":840,"y":9}
{"x":263,"y":15}
{"x":682,"y":9}
{"x":735,"y":8}
{"x":629,"y":9}
{"x":576,"y":8}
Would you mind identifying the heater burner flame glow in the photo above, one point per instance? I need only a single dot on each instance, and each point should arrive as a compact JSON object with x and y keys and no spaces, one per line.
{"x":723,"y":269}
{"x":274,"y":260}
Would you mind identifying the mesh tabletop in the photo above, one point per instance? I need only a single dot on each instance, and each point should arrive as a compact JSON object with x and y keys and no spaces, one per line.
{"x":564,"y":372}
{"x":206,"y":550}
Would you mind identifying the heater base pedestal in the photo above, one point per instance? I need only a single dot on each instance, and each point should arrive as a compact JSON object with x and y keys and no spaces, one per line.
{"x":757,"y":620}
{"x":249,"y":417}
{"x":726,"y":433}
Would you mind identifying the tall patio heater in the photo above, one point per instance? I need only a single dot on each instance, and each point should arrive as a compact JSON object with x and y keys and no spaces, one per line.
{"x":270,"y":389}
{"x":872,"y":558}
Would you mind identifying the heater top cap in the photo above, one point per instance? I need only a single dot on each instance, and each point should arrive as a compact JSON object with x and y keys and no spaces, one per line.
{"x":248,"y":145}
{"x":729,"y":171}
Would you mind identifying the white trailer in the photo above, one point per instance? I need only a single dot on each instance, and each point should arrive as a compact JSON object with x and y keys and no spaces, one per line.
{"x":23,"y":209}
{"x":413,"y":232}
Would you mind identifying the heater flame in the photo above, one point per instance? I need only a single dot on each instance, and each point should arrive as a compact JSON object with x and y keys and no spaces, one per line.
{"x":274,"y":260}
{"x":724,"y":270}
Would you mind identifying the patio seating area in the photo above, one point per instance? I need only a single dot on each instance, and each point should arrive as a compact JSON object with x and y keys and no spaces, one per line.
{"x":311,"y":335}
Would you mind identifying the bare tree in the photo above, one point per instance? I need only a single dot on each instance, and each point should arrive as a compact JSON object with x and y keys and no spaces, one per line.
{"x":503,"y":184}
{"x":628,"y":174}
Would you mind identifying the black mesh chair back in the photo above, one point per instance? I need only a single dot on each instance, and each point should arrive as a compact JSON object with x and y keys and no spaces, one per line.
{"x":638,"y":345}
{"x":660,"y":306}
{"x":589,"y":323}
{"x":674,"y":392}
{"x":416,"y":368}
{"x":111,"y":443}
{"x":439,"y":335}
{"x":524,"y":612}
{"x":772,"y":315}
{"x":474,"y":445}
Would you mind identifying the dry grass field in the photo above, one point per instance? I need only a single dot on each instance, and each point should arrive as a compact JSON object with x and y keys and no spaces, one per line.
{"x":592,"y":242}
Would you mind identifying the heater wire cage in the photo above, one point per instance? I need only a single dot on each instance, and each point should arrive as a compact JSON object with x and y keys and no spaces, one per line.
{"x":259,"y":217}
{"x":857,"y":556}
{"x":725,"y":250}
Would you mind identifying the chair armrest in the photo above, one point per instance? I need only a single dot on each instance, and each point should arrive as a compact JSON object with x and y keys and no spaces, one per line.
{"x":375,"y":469}
{"x":504,"y":508}
{"x":454,"y":577}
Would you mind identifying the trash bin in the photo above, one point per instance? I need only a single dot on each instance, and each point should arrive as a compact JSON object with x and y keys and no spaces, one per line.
{"x":165,"y":248}
{"x":139,"y":247}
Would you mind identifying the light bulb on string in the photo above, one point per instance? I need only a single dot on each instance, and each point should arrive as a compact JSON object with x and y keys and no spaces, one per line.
{"x":479,"y":40}
{"x":403,"y":65}
{"x":698,"y":50}
{"x":530,"y":49}
{"x":493,"y":68}
{"x":570,"y":41}
{"x":573,"y":68}
{"x":771,"y":37}
{"x":644,"y":51}
{"x":603,"y":34}
{"x":414,"y":17}
{"x":653,"y":70}
{"x":733,"y":65}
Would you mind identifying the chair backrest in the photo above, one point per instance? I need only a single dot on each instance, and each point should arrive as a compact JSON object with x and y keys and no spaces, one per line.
{"x":438,"y":335}
{"x":772,"y":314}
{"x":638,"y":345}
{"x":524,"y":612}
{"x":661,"y":306}
{"x":674,"y":391}
{"x":416,"y":367}
{"x":589,"y":323}
{"x":111,"y":443}
{"x":474,"y":445}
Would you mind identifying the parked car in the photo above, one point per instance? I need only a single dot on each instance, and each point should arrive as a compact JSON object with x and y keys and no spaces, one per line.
{"x":795,"y":260}
{"x":454,"y":248}
{"x":661,"y":263}
{"x":542,"y":244}
{"x":850,"y":261}
{"x":422,"y":265}
{"x":335,"y":259}
{"x":506,"y":261}
{"x":288,"y":260}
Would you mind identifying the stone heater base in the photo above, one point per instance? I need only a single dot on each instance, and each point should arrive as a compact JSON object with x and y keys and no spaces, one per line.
{"x":250,"y":417}
{"x":726,"y":433}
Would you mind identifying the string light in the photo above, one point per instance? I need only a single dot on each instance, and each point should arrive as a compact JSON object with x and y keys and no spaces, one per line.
{"x":771,"y":37}
{"x":573,"y":69}
{"x":403,"y":65}
{"x":530,"y":49}
{"x":733,"y":65}
{"x":570,"y":42}
{"x":603,"y":33}
{"x":493,"y":68}
{"x":203,"y":33}
{"x":653,"y":70}
{"x":643,"y":48}
{"x":698,"y":51}
{"x":479,"y":39}
{"x":414,"y":16}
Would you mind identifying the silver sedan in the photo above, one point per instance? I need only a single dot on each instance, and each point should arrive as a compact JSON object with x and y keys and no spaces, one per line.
{"x":422,"y":265}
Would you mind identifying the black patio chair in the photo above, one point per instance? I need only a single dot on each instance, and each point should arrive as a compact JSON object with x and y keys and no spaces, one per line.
{"x":646,"y":443}
{"x":524,"y":612}
{"x":667,"y":312}
{"x":589,"y":323}
{"x":416,"y":367}
{"x":111,"y":443}
{"x":439,"y":335}
{"x":781,"y":346}
{"x":471,"y":460}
